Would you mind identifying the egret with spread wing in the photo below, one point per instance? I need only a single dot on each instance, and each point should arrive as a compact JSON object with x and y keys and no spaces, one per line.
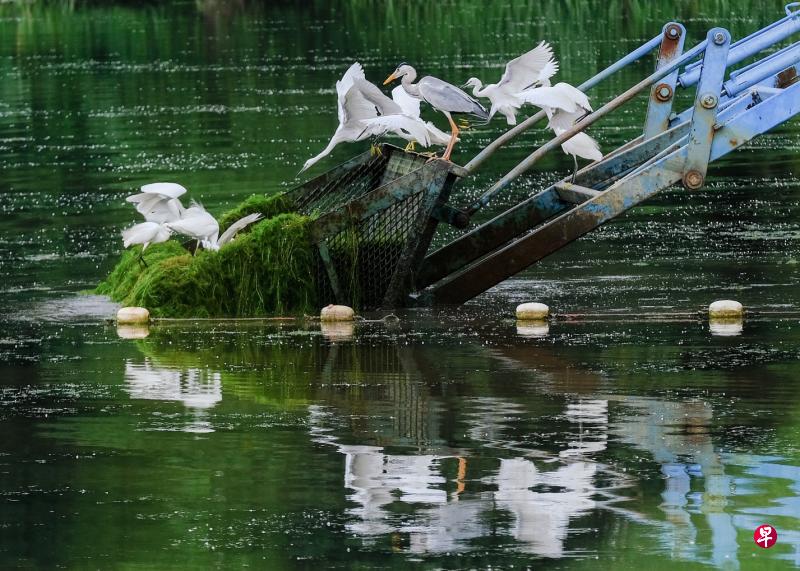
{"x":565,"y":105}
{"x":442,"y":96}
{"x":366,"y":112}
{"x":159,"y":202}
{"x":199,"y":224}
{"x":527,"y":70}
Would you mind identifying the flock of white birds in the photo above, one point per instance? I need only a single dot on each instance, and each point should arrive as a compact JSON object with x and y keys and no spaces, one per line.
{"x":365,"y":112}
{"x":165,"y":215}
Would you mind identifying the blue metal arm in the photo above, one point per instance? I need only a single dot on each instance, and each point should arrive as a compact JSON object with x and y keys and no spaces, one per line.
{"x":751,"y":45}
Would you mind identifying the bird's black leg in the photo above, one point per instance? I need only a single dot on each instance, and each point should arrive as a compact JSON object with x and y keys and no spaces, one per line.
{"x":141,"y":260}
{"x":196,"y":247}
{"x":575,"y":172}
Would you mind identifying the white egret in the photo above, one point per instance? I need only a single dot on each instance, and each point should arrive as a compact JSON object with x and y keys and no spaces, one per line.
{"x":442,"y":96}
{"x":232,"y":230}
{"x":565,"y":105}
{"x":196,"y":223}
{"x":527,"y":70}
{"x":145,"y":234}
{"x":365,"y":112}
{"x":158,"y":202}
{"x":199,"y":224}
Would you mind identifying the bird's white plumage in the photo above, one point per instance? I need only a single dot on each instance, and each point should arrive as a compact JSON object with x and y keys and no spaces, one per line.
{"x":196,"y":223}
{"x":235,"y":228}
{"x":355,"y":71}
{"x":401,"y":125}
{"x":559,"y":96}
{"x":531,"y":68}
{"x":536,"y":65}
{"x":145,"y":234}
{"x":364,"y":111}
{"x":159,"y":202}
{"x":565,"y":105}
{"x":410,"y":105}
{"x":168,"y":189}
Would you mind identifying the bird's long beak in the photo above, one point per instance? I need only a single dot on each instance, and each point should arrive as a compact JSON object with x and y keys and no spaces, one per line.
{"x":390,"y":79}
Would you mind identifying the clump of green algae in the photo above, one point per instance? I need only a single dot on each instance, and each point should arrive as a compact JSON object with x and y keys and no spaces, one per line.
{"x":267,"y":270}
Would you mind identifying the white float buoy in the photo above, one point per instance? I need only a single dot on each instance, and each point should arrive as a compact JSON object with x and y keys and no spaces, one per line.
{"x":337,"y":313}
{"x":132,"y":315}
{"x":725,"y":309}
{"x":532,"y":311}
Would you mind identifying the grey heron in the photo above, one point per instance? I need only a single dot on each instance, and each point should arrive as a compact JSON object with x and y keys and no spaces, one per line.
{"x":521,"y":73}
{"x":442,"y":96}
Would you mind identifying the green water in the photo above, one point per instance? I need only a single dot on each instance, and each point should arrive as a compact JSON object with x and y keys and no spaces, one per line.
{"x":453,"y":439}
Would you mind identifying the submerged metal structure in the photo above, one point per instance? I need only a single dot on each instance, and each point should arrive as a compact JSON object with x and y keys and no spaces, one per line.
{"x":378,"y":214}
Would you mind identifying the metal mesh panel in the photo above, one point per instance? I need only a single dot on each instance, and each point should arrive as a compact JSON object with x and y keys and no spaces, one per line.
{"x":366,"y":256}
{"x":339,"y":191}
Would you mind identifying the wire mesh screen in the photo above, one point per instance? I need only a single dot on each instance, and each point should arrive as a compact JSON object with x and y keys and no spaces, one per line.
{"x":367,"y":256}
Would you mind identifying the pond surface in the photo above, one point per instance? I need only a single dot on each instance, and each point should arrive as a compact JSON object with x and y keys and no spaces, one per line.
{"x":451,"y":439}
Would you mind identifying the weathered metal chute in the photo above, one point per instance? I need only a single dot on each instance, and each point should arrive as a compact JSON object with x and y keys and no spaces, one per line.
{"x":378,"y":215}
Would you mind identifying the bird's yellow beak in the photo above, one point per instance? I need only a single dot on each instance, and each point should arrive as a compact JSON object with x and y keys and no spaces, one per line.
{"x":390,"y":79}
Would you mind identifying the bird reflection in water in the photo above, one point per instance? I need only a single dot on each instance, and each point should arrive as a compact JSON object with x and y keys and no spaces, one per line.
{"x":540,"y":500}
{"x":198,"y":389}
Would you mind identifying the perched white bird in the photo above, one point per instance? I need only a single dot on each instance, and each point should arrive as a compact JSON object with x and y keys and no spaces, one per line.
{"x":442,"y":96}
{"x":145,"y":234}
{"x":199,"y":224}
{"x":365,"y":112}
{"x":527,"y":70}
{"x":565,"y":105}
{"x":196,"y":223}
{"x":158,"y":202}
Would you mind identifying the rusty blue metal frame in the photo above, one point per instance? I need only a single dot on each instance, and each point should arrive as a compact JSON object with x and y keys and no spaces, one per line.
{"x":679,"y":150}
{"x":706,"y":103}
{"x":625,"y":193}
{"x":662,"y":94}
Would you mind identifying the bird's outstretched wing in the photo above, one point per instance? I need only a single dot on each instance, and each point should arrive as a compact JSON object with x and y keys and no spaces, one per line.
{"x":354,"y":72}
{"x":559,"y":96}
{"x":371,"y":93}
{"x":168,"y":189}
{"x":409,"y":105}
{"x":356,"y":107}
{"x":530,"y":67}
{"x":237,"y":226}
